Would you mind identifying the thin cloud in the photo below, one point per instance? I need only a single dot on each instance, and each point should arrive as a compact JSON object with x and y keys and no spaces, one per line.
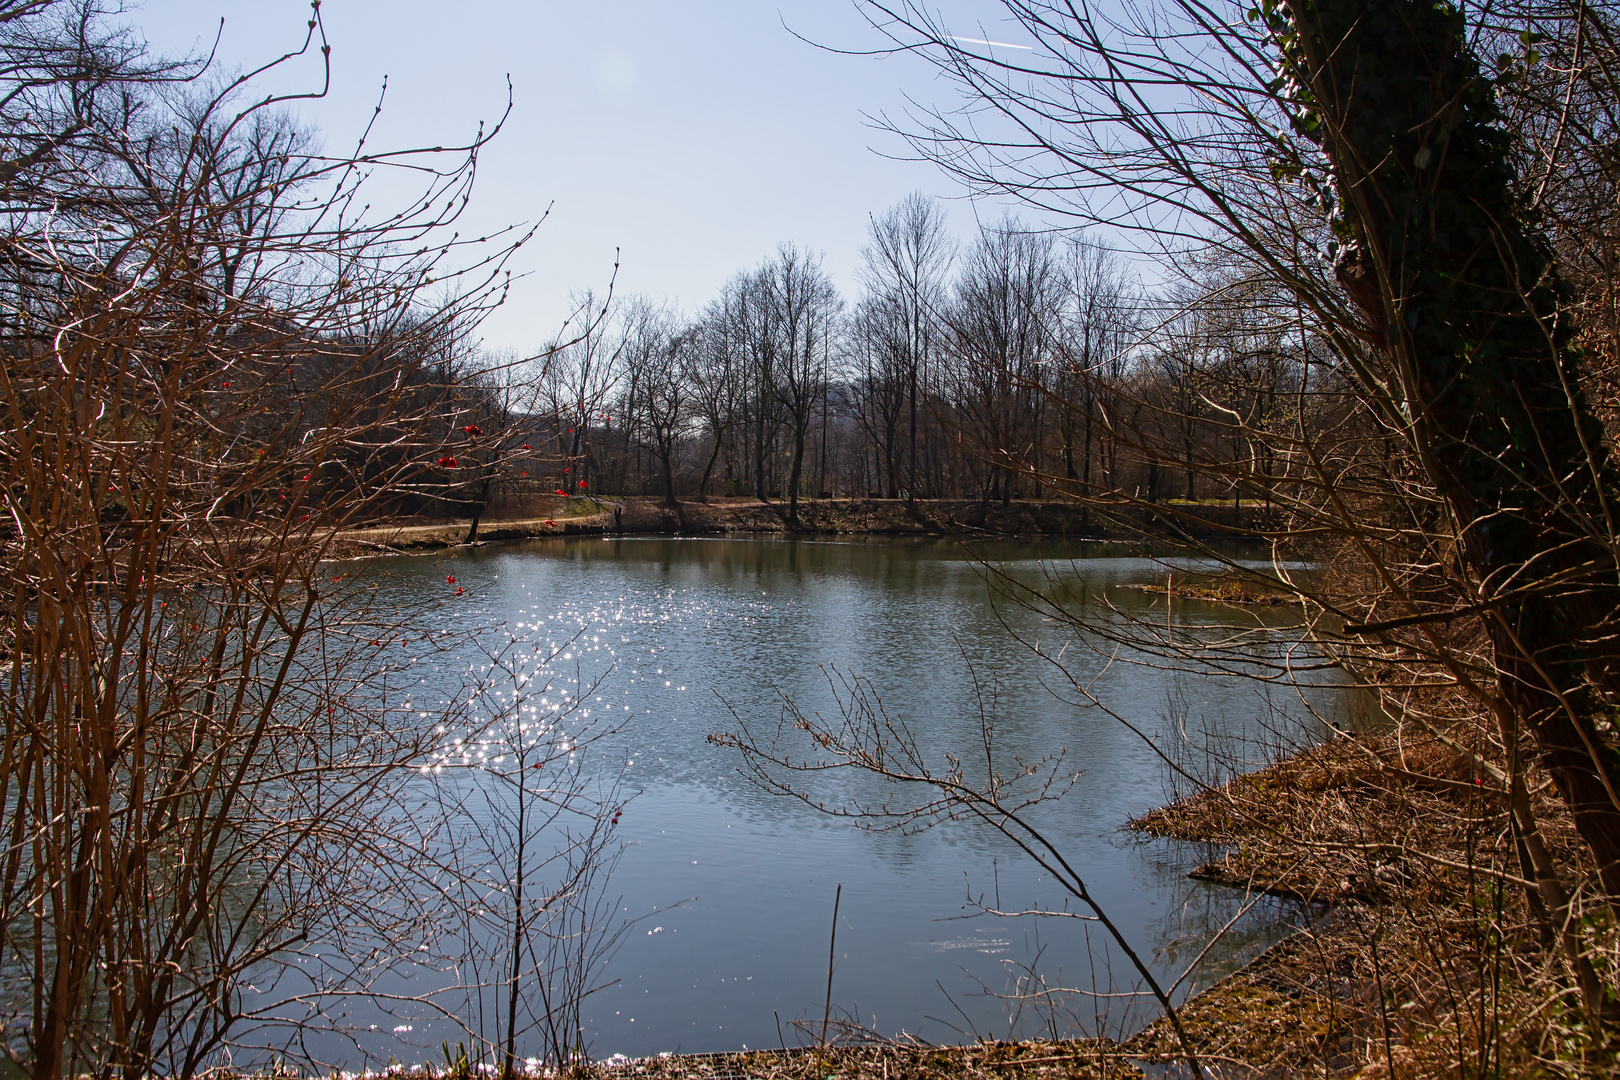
{"x":997,"y":44}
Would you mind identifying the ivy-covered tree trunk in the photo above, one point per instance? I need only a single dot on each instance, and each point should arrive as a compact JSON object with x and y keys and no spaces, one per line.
{"x":1458,"y":287}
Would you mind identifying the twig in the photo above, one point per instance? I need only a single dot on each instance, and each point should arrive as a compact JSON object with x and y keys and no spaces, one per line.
{"x":832,"y":947}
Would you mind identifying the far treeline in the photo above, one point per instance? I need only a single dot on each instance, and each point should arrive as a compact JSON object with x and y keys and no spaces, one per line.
{"x":983,"y":370}
{"x":956,"y":369}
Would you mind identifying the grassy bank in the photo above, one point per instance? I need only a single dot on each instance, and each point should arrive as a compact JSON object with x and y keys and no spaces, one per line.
{"x":1421,"y":954}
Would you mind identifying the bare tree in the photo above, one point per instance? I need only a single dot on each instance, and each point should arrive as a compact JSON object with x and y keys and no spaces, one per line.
{"x":716,"y":385}
{"x":216,"y":361}
{"x":905,"y":263}
{"x":658,"y":358}
{"x":1003,"y":334}
{"x":881,"y":382}
{"x":1099,"y":325}
{"x":745,"y":317}
{"x":583,"y":370}
{"x":803,"y":309}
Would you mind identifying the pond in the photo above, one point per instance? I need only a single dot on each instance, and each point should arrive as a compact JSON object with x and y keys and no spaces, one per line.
{"x":734,"y":887}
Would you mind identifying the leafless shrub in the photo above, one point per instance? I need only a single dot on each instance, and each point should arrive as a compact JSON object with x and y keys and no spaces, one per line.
{"x":218,"y":356}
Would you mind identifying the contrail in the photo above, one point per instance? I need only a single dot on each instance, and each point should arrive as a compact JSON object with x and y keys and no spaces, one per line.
{"x":997,"y":44}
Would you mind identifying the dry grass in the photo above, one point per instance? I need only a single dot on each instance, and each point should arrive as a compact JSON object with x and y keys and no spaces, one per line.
{"x":1421,"y":956}
{"x":891,"y":1060}
{"x":1343,"y":820}
{"x":1275,"y":1016}
{"x":1220,"y":591}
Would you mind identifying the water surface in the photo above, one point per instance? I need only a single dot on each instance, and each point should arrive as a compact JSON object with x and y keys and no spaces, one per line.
{"x":692,"y":636}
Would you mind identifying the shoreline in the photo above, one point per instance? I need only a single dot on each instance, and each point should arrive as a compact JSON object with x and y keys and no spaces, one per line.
{"x":653,"y":516}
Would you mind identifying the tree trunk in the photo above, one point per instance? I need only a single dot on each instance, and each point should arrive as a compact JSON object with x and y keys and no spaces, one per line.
{"x":1459,"y":291}
{"x":665,"y":454}
{"x":759,"y":456}
{"x":478,"y":511}
{"x":703,"y":485}
{"x":793,"y":476}
{"x":911,"y":455}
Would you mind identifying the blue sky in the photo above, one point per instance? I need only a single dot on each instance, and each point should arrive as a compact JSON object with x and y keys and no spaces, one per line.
{"x":691,"y":136}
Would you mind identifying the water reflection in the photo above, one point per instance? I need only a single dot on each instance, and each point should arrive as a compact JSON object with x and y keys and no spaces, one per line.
{"x":685,"y":634}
